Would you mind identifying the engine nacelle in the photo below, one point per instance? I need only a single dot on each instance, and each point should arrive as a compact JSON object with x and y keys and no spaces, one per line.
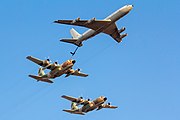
{"x":91,"y":20}
{"x":123,"y":35}
{"x":121,"y":30}
{"x":77,"y":19}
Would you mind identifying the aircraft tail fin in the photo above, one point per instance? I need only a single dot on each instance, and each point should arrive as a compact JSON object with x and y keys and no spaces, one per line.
{"x":74,"y":106}
{"x":41,"y":71}
{"x":72,"y":41}
{"x":74,"y":33}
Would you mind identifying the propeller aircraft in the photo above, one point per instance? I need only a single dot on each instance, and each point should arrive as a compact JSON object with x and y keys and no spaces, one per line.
{"x":56,"y":69}
{"x":87,"y":105}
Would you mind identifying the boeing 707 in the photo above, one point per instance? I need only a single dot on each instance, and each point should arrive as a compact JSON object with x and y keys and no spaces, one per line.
{"x":107,"y":26}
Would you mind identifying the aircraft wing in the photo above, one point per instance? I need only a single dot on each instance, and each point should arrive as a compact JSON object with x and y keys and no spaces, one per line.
{"x":112,"y":30}
{"x":43,"y":63}
{"x":80,"y":74}
{"x":109,"y":106}
{"x":92,"y":24}
{"x":35,"y":60}
{"x":69,"y":98}
{"x":74,"y":112}
{"x":79,"y":100}
{"x":106,"y":106}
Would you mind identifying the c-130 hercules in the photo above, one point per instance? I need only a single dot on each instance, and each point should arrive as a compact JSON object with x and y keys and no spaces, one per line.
{"x":106,"y":26}
{"x":56,"y":69}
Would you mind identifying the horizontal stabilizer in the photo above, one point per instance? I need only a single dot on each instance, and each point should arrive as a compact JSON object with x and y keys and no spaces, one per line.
{"x":38,"y":78}
{"x":72,"y":41}
{"x":74,"y":112}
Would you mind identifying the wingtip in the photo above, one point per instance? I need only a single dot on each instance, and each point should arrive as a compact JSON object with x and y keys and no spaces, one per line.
{"x":51,"y":81}
{"x":56,"y":21}
{"x":30,"y":75}
{"x":28,"y":57}
{"x":62,"y":96}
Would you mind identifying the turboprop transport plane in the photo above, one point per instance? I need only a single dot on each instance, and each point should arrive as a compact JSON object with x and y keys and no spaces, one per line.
{"x":56,"y":69}
{"x":107,"y":26}
{"x":87,"y":105}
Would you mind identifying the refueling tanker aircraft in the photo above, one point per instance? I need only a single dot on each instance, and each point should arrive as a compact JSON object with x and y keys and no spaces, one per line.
{"x":87,"y":105}
{"x":107,"y":26}
{"x":56,"y":69}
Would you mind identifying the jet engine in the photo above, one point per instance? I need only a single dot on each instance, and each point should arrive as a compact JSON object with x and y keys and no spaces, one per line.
{"x":123,"y":35}
{"x":91,"y":20}
{"x":121,"y":30}
{"x":77,"y":19}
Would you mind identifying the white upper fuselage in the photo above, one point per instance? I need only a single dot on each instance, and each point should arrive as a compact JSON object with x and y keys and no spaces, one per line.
{"x":113,"y":17}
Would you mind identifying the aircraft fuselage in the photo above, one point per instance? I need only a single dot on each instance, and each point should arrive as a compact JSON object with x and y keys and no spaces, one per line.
{"x":60,"y":69}
{"x":92,"y":105}
{"x":113,"y":17}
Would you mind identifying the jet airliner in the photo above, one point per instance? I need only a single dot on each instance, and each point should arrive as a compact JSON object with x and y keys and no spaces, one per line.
{"x":107,"y":26}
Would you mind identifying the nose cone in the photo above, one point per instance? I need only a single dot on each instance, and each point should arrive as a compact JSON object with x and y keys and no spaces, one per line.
{"x":130,"y":7}
{"x":105,"y":98}
{"x":73,"y":61}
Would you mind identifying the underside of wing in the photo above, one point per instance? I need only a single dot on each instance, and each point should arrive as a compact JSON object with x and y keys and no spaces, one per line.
{"x":74,"y":112}
{"x":69,"y":98}
{"x":38,"y":78}
{"x":92,"y":24}
{"x":35,"y":60}
{"x":80,"y":74}
{"x":109,"y":106}
{"x":113,"y":31}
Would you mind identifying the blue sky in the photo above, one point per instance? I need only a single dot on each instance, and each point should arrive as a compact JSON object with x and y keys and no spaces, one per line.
{"x":141,"y":75}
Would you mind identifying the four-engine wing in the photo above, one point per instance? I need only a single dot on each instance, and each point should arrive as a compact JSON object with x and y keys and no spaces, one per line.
{"x":92,"y":23}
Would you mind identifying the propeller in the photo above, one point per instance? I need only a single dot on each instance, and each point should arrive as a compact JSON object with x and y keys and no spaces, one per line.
{"x":48,"y":59}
